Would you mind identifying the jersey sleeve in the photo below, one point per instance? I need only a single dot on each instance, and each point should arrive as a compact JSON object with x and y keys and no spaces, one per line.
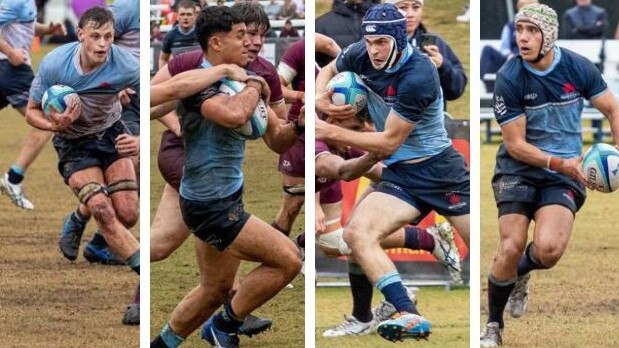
{"x":166,"y":45}
{"x":506,"y":104}
{"x":272,"y":80}
{"x":184,"y":62}
{"x":194,"y":103}
{"x":44,"y":79}
{"x":348,"y":58}
{"x":320,"y":148}
{"x":12,"y":10}
{"x":593,"y":84}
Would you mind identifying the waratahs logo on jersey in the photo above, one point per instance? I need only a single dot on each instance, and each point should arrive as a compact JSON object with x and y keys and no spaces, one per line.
{"x":569,"y":91}
{"x":390,"y":94}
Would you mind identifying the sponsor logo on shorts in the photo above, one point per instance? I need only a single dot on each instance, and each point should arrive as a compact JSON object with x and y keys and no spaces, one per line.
{"x":391,"y":185}
{"x":455,"y":201}
{"x":286,"y":163}
{"x":322,"y":179}
{"x":569,"y":195}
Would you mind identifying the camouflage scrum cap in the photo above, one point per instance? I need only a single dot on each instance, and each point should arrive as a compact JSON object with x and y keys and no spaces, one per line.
{"x":545,"y":18}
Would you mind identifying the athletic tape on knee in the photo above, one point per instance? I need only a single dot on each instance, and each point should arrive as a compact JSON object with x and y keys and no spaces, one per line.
{"x":122,"y":185}
{"x":294,"y":190}
{"x":334,"y":240}
{"x":89,"y":190}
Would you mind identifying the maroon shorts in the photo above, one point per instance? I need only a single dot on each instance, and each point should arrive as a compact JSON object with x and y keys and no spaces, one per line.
{"x":292,"y":162}
{"x":332,"y":193}
{"x":171,"y":158}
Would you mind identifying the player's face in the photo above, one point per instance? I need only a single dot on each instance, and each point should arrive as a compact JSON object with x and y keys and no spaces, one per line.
{"x":186,"y":18}
{"x":255,"y":35}
{"x":378,"y":49}
{"x":529,"y":40}
{"x":235,"y":45}
{"x":413,"y":11}
{"x":96,"y":42}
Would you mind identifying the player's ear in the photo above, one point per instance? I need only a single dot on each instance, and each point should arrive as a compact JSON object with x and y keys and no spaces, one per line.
{"x":214,"y":43}
{"x":80,"y":35}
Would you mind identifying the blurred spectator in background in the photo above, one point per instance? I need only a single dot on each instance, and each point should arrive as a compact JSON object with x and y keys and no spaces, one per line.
{"x":156,"y":36}
{"x":491,"y":59}
{"x":288,"y":10}
{"x":342,"y":24}
{"x":289,"y":30}
{"x":272,"y":9}
{"x":221,"y":2}
{"x":182,"y":37}
{"x":584,"y":21}
{"x":301,"y":9}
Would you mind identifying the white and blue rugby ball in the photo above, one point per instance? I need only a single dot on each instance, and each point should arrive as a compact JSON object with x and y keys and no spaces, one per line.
{"x":57,"y":97}
{"x":601,"y":167}
{"x":348,"y":89}
{"x":256,"y":126}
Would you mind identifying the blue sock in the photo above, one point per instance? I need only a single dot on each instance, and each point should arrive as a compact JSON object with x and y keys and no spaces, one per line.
{"x":227,"y":321}
{"x":392,"y":288}
{"x":168,"y":337}
{"x":134,"y":261}
{"x":98,"y":240}
{"x":15,"y":174}
{"x":528,"y":261}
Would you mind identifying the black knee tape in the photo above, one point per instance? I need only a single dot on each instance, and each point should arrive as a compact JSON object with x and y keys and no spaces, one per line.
{"x":89,"y":190}
{"x":122,"y":185}
{"x":294,"y":190}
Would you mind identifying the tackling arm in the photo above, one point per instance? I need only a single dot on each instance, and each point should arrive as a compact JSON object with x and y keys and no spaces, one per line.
{"x":232,"y":111}
{"x":335,"y":167}
{"x":280,"y":137}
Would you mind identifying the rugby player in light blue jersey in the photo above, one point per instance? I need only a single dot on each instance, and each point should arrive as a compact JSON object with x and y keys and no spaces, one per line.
{"x":538,"y":101}
{"x":423,"y":172}
{"x":17,"y":29}
{"x":86,"y":132}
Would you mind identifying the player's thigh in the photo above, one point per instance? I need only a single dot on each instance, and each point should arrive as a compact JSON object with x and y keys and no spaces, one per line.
{"x":217,"y":269}
{"x":260,"y":242}
{"x":462,"y":223}
{"x":168,"y":230}
{"x":379,"y":215}
{"x":553,"y":227}
{"x":122,"y":181}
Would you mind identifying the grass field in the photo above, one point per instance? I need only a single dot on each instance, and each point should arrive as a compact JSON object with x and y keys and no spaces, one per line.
{"x":440,"y":17}
{"x":574,"y":304}
{"x":448,"y":311}
{"x":46,"y":301}
{"x":171,"y":279}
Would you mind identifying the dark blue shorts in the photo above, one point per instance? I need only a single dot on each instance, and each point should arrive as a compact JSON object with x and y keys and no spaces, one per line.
{"x":15,"y":84}
{"x":216,"y":222}
{"x":96,"y":150}
{"x":131,"y":114}
{"x":440,"y":183}
{"x":520,"y":194}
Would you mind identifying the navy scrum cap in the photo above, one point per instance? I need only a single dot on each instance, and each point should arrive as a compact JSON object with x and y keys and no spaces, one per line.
{"x":385,"y":20}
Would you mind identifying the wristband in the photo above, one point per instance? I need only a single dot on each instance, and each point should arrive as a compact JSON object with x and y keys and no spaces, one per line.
{"x":555,"y":163}
{"x":298,"y":129}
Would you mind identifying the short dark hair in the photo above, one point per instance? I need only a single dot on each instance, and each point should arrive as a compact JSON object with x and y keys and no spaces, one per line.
{"x":253,"y":13}
{"x":213,"y":20}
{"x":186,"y":4}
{"x":98,"y":15}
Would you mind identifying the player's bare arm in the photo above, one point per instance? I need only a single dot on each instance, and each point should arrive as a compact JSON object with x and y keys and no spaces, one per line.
{"x":51,"y":28}
{"x":607,"y":105}
{"x":280,"y":137}
{"x":16,"y":56}
{"x":335,"y":167}
{"x":382,"y":143}
{"x":514,"y":138}
{"x":323,"y":96}
{"x":57,"y":121}
{"x":232,"y":111}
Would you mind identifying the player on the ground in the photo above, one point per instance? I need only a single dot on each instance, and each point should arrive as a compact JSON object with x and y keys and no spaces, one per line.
{"x":85,"y":137}
{"x":213,"y":209}
{"x":335,"y":162}
{"x":18,"y":27}
{"x":423,"y":172}
{"x":538,"y":101}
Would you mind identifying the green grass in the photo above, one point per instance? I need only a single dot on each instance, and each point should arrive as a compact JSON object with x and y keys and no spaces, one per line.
{"x":448,"y":311}
{"x":440,"y":17}
{"x":575,"y":303}
{"x":173,"y":278}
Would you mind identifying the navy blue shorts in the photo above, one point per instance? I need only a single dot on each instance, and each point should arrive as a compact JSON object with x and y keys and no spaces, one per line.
{"x":518,"y":194}
{"x":216,"y":222}
{"x":96,"y":150}
{"x":131,"y":114}
{"x":15,"y":84}
{"x":440,"y":183}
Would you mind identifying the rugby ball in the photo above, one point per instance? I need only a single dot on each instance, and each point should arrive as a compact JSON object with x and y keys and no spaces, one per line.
{"x":57,"y":97}
{"x":256,"y":126}
{"x":601,"y":167}
{"x":348,"y":89}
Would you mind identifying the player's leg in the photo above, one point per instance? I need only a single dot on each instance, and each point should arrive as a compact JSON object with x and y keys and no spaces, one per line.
{"x":363,"y":234}
{"x":293,"y":199}
{"x":168,"y":230}
{"x":217,"y":273}
{"x":73,"y":228}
